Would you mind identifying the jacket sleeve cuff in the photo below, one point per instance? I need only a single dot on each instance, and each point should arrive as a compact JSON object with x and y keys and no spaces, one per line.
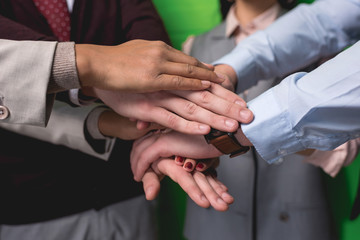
{"x":64,"y":74}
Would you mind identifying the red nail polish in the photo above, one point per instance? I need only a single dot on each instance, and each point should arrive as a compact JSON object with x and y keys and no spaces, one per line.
{"x":200,"y":165}
{"x":189,"y":165}
{"x":179,"y":159}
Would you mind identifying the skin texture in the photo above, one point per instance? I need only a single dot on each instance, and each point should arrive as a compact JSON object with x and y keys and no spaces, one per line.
{"x":204,"y":189}
{"x":141,"y":66}
{"x":152,"y":147}
{"x":191,"y":112}
{"x":113,"y":125}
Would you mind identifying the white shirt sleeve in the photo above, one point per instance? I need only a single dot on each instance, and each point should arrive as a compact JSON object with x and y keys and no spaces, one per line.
{"x":300,"y":37}
{"x":318,"y":110}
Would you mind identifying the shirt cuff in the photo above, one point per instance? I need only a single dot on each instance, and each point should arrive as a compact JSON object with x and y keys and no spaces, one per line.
{"x":77,"y":98}
{"x":64,"y":74}
{"x":271,"y":132}
{"x":92,"y":123}
{"x":244,"y":65}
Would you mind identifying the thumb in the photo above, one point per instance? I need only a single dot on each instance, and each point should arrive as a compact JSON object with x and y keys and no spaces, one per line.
{"x":151,"y":184}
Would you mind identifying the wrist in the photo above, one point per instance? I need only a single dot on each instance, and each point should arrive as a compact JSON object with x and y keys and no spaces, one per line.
{"x":83,"y":53}
{"x":105,"y":118}
{"x":226,"y":142}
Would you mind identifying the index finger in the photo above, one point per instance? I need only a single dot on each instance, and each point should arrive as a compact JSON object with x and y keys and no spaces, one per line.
{"x":190,"y":65}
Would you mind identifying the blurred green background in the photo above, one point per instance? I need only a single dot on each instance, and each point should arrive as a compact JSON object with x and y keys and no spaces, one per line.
{"x":183,"y":18}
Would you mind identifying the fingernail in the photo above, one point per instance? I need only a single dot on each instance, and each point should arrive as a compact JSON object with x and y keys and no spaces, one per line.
{"x":189,"y":165}
{"x":205,"y":83}
{"x":179,"y":159}
{"x":149,"y":190}
{"x":245,"y":113}
{"x":203,"y":198}
{"x":241,"y":103}
{"x":200,"y":165}
{"x":230,"y":123}
{"x":226,"y":195}
{"x":220,"y":201}
{"x":203,"y":127}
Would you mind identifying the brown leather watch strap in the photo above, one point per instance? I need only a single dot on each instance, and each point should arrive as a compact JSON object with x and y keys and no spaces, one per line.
{"x":226,"y":143}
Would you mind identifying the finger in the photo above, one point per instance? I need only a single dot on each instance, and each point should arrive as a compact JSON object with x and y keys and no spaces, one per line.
{"x":215,"y":200}
{"x":178,"y":56}
{"x":139,"y":146}
{"x":185,"y":180}
{"x":219,"y":189}
{"x":244,"y":114}
{"x":204,"y":164}
{"x":192,"y":71}
{"x":200,"y":106}
{"x":151,"y":184}
{"x":179,"y":160}
{"x":189,"y":164}
{"x":141,"y":125}
{"x":176,"y":82}
{"x":173,"y":121}
{"x":210,"y":66}
{"x":168,"y":145}
{"x":230,"y":107}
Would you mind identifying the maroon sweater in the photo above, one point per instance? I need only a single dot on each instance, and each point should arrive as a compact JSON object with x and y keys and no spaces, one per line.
{"x":41,"y":181}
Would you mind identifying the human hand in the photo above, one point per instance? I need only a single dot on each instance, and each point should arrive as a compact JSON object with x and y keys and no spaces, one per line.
{"x":204,"y":189}
{"x":200,"y":165}
{"x":190,"y":112}
{"x":229,"y":74}
{"x":114,"y":125}
{"x":141,"y":66}
{"x":151,"y":147}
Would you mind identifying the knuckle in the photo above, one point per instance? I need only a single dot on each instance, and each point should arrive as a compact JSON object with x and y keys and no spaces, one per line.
{"x":228,"y":109}
{"x":205,"y":97}
{"x":190,"y":69}
{"x":172,"y":121}
{"x":194,"y":61}
{"x":191,"y":108}
{"x":200,"y":176}
{"x":177,"y":81}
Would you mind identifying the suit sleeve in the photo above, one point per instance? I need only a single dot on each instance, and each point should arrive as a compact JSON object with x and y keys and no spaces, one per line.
{"x":140,"y":20}
{"x":38,"y":67}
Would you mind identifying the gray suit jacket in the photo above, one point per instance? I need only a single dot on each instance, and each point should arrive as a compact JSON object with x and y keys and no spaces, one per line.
{"x":280,"y":201}
{"x":25,"y":73}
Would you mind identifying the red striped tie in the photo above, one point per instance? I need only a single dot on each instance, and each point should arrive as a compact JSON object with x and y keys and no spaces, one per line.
{"x":57,"y":15}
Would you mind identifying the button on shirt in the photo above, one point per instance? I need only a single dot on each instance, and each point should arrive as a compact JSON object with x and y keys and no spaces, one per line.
{"x":318,"y":110}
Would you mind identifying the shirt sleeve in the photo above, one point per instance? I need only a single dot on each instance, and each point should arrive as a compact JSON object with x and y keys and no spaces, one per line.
{"x":300,"y":37}
{"x":319,"y":110}
{"x":332,"y":161}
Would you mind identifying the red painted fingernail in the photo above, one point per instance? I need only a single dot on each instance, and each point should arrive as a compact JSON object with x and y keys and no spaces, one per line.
{"x":189,"y":165}
{"x":179,"y":159}
{"x":200,"y":165}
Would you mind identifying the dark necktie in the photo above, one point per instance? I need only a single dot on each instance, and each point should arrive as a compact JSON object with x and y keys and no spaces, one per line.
{"x":57,"y":15}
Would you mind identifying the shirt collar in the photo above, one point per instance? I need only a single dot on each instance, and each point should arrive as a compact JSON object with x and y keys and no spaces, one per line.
{"x":260,"y":22}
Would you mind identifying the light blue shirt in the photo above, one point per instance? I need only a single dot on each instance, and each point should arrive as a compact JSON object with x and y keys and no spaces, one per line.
{"x":317,"y":110}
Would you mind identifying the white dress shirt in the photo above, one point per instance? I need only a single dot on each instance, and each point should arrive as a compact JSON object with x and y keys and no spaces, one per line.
{"x":318,"y":110}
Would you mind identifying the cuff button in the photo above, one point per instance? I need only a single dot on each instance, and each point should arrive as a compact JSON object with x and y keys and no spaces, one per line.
{"x":4,"y":112}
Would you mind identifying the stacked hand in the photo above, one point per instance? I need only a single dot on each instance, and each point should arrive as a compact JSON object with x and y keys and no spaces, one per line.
{"x":191,"y":112}
{"x":202,"y":187}
{"x":145,"y":80}
{"x":141,"y":66}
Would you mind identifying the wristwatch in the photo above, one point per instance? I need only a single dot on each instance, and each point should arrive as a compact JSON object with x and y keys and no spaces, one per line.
{"x":226,"y":142}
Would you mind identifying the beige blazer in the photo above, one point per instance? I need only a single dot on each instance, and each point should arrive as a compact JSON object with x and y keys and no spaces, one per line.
{"x":25,"y":72}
